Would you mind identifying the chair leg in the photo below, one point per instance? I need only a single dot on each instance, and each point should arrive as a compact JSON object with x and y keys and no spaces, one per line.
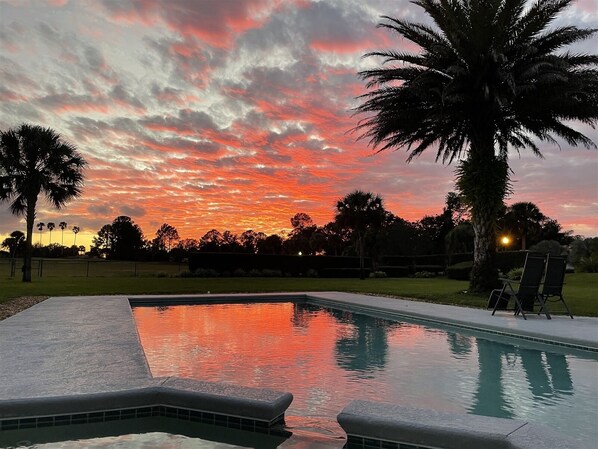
{"x":498,"y":299}
{"x":519,"y":309}
{"x":566,"y":306}
{"x":543,"y":307}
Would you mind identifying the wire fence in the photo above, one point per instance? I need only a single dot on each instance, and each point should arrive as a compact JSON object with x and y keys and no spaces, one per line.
{"x":91,"y":268}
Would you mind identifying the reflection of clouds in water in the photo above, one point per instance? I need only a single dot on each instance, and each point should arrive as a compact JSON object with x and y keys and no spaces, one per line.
{"x":326,"y":358}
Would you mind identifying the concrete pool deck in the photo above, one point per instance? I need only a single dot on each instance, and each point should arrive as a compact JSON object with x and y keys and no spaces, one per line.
{"x":66,"y":347}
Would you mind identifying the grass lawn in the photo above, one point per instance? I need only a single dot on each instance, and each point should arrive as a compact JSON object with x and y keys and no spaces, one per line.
{"x":581,"y":289}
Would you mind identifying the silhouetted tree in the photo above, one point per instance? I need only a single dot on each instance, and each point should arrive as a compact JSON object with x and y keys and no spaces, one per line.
{"x":165,"y":235}
{"x":120,"y":240}
{"x":40,"y":227}
{"x":250,"y":239}
{"x":36,"y":160}
{"x":211,"y":241}
{"x":14,"y":243}
{"x":270,"y":245}
{"x":489,"y":77}
{"x":522,"y":219}
{"x":360,"y":212}
{"x":62,"y":225}
{"x":76,"y":230}
{"x":50,"y":227}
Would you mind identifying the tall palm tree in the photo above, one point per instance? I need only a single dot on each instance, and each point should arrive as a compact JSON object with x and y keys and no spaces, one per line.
{"x":76,"y":230}
{"x":50,"y":227}
{"x":40,"y":228}
{"x":359,"y":212}
{"x":489,"y":77}
{"x":62,"y":225}
{"x":36,"y":160}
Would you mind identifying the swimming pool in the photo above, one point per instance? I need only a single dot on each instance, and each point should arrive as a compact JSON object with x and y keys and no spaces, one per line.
{"x":327,"y":357}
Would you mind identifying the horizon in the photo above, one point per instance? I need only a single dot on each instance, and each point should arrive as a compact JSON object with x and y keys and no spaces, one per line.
{"x":235,"y":115}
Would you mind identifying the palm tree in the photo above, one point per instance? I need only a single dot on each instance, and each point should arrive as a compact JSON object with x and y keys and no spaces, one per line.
{"x":13,"y":242}
{"x":490,"y":77}
{"x":523,"y":219}
{"x":359,"y":212}
{"x":40,"y":227}
{"x":76,"y":230}
{"x":50,"y":227}
{"x":62,"y":226}
{"x":36,"y":160}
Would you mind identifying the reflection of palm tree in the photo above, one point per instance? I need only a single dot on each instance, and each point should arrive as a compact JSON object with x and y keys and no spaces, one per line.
{"x":559,"y":373}
{"x":489,"y":397}
{"x":459,"y":344}
{"x":366,"y":349}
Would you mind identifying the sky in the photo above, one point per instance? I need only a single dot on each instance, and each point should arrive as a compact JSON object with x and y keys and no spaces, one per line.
{"x":236,"y":114}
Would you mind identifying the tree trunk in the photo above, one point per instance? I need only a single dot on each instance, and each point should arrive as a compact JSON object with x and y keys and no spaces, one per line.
{"x":483,"y":180}
{"x":361,"y":239}
{"x":30,"y":218}
{"x":484,"y":275}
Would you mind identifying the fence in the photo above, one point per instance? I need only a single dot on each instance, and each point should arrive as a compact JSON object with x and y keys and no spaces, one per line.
{"x":90,"y":268}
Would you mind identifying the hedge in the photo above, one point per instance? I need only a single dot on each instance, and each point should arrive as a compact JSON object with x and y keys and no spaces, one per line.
{"x":287,"y":264}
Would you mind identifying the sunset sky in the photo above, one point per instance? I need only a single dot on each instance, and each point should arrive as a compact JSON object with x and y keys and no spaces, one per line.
{"x":234,"y":114}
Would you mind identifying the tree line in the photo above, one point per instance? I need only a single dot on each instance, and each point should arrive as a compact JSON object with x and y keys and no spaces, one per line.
{"x":361,"y":227}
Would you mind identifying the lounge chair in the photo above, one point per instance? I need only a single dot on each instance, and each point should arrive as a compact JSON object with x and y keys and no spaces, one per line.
{"x":554,"y":280}
{"x":528,"y":292}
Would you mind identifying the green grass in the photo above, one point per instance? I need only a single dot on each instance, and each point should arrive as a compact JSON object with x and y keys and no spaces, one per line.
{"x":580,"y":289}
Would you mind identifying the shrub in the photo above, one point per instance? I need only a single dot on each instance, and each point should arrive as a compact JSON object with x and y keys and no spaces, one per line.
{"x":200,"y":273}
{"x":342,"y":272}
{"x":515,"y":274}
{"x":551,"y":247}
{"x":311,"y":273}
{"x":435,"y":269}
{"x":395,"y":271}
{"x":255,"y":273}
{"x":424,"y":274}
{"x":460,"y":271}
{"x":240,"y":273}
{"x":378,"y":274}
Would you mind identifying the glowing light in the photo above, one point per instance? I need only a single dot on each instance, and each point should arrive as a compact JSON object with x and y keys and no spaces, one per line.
{"x":505,"y":240}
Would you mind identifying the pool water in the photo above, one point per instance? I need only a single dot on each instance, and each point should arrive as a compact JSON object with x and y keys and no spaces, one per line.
{"x":327,"y":357}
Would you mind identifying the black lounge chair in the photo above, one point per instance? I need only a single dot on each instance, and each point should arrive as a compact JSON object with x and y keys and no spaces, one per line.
{"x":528,"y":292}
{"x":554,"y":280}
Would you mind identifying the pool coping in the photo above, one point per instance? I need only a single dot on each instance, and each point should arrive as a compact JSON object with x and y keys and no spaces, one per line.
{"x":106,"y":350}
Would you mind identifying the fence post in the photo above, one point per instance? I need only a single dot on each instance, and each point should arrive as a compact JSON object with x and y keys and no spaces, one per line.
{"x":135,"y":269}
{"x":87,"y":273}
{"x":41,"y":267}
{"x":13,"y":268}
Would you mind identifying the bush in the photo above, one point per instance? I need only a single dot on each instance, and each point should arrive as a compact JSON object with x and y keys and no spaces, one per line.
{"x":378,"y":274}
{"x":240,"y":273}
{"x":200,"y":273}
{"x":395,"y":271}
{"x":311,"y":273}
{"x":343,"y":272}
{"x":551,"y":247}
{"x":435,"y":269}
{"x":424,"y":274}
{"x":460,"y":271}
{"x":515,"y":274}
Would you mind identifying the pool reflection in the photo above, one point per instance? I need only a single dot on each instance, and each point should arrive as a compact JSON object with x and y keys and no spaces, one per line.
{"x":328,"y":357}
